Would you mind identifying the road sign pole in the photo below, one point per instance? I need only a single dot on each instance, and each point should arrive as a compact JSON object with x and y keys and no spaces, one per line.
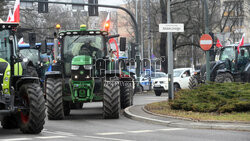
{"x":207,"y":31}
{"x":170,"y":57}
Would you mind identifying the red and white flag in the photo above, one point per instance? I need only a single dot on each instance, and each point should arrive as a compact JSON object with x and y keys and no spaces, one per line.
{"x":16,"y":13}
{"x":218,"y":44}
{"x":9,"y":16}
{"x":241,"y":43}
{"x":21,"y":41}
{"x":107,"y":23}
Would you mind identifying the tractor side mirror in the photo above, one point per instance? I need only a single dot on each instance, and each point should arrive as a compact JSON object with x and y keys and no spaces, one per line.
{"x":32,"y":39}
{"x":43,"y":47}
{"x":122,"y":44}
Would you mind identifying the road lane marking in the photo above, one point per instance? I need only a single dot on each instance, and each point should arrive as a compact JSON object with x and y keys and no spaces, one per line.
{"x":110,"y":139}
{"x":51,"y":137}
{"x":111,"y":133}
{"x":17,"y":139}
{"x":59,"y":133}
{"x":141,"y":131}
{"x":171,"y":129}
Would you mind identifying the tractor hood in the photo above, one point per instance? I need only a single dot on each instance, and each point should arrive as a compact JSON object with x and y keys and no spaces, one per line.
{"x":82,"y":60}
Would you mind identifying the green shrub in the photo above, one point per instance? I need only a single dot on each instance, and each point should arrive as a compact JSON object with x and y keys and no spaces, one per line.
{"x":214,"y":97}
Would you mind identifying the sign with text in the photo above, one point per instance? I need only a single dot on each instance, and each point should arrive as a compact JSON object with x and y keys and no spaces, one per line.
{"x":175,"y":27}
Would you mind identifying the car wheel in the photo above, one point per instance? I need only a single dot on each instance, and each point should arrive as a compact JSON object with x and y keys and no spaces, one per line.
{"x":176,"y":87}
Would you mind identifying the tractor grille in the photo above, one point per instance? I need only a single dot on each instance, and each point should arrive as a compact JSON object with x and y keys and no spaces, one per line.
{"x":3,"y":67}
{"x":86,"y":75}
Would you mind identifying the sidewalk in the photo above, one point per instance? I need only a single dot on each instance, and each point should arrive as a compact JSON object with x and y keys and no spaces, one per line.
{"x":137,"y":113}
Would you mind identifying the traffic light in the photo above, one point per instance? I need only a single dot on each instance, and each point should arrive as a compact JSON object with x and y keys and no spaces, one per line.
{"x":43,"y":7}
{"x":93,"y":10}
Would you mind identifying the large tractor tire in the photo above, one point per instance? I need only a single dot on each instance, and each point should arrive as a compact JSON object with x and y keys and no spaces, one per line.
{"x":126,"y":97}
{"x":224,"y":77}
{"x":32,"y":119}
{"x":54,"y":98}
{"x":111,"y":99}
{"x":10,"y":122}
{"x":194,"y":82}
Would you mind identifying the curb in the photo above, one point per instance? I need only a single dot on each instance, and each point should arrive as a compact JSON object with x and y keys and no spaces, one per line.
{"x":187,"y":124}
{"x":192,"y":120}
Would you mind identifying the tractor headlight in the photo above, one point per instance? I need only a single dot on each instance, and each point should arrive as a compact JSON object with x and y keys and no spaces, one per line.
{"x":75,"y":67}
{"x":6,"y":79}
{"x":25,"y":60}
{"x":8,"y":73}
{"x":88,"y":67}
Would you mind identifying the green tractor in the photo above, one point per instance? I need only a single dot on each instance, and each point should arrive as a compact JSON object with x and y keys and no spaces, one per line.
{"x":84,"y":71}
{"x":22,"y":104}
{"x":230,"y":66}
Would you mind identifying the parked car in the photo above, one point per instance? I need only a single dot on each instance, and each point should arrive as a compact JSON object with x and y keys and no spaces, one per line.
{"x":145,"y":79}
{"x":181,"y":78}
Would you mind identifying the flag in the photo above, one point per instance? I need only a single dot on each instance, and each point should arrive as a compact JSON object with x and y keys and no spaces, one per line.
{"x":107,"y":23}
{"x":16,"y":13}
{"x":21,"y":41}
{"x":241,"y":43}
{"x":218,"y":44}
{"x":9,"y":16}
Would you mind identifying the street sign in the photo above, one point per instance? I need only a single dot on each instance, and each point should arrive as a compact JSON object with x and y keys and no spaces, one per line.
{"x":176,"y":27}
{"x":206,"y":42}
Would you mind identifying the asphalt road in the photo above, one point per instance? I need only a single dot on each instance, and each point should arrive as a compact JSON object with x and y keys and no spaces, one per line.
{"x":87,"y":125}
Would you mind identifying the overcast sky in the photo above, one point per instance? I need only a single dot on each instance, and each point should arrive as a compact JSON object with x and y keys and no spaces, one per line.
{"x":111,"y":2}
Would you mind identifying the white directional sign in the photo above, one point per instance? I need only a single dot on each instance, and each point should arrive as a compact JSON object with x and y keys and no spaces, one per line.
{"x":171,"y":27}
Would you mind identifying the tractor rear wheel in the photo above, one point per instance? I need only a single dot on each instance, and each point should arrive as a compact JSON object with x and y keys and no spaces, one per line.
{"x":32,"y":118}
{"x":194,"y":82}
{"x":54,"y":99}
{"x":111,"y":99}
{"x":224,"y":77}
{"x":126,"y":97}
{"x":10,"y":122}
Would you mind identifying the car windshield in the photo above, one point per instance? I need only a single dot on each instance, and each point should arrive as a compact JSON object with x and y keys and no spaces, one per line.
{"x":4,"y":45}
{"x":31,"y":54}
{"x":158,"y":75}
{"x":227,"y":53}
{"x":84,"y":45}
{"x":177,"y":73}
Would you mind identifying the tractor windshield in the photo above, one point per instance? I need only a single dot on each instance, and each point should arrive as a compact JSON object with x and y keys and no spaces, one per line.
{"x":228,"y":53}
{"x":31,"y":54}
{"x":90,"y":45}
{"x":4,"y":45}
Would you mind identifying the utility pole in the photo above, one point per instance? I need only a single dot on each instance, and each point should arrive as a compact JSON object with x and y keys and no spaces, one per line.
{"x":149,"y":42}
{"x":170,"y":57}
{"x":142,"y":36}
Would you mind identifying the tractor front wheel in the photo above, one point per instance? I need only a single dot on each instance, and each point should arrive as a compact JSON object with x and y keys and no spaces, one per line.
{"x":111,"y":99}
{"x":224,"y":77}
{"x":194,"y":81}
{"x":54,"y":99}
{"x":32,"y":118}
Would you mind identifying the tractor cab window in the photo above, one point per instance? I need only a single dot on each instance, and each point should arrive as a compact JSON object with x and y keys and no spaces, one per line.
{"x":4,"y":45}
{"x":243,"y":58}
{"x":31,"y":54}
{"x":84,"y":45}
{"x":227,"y":53}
